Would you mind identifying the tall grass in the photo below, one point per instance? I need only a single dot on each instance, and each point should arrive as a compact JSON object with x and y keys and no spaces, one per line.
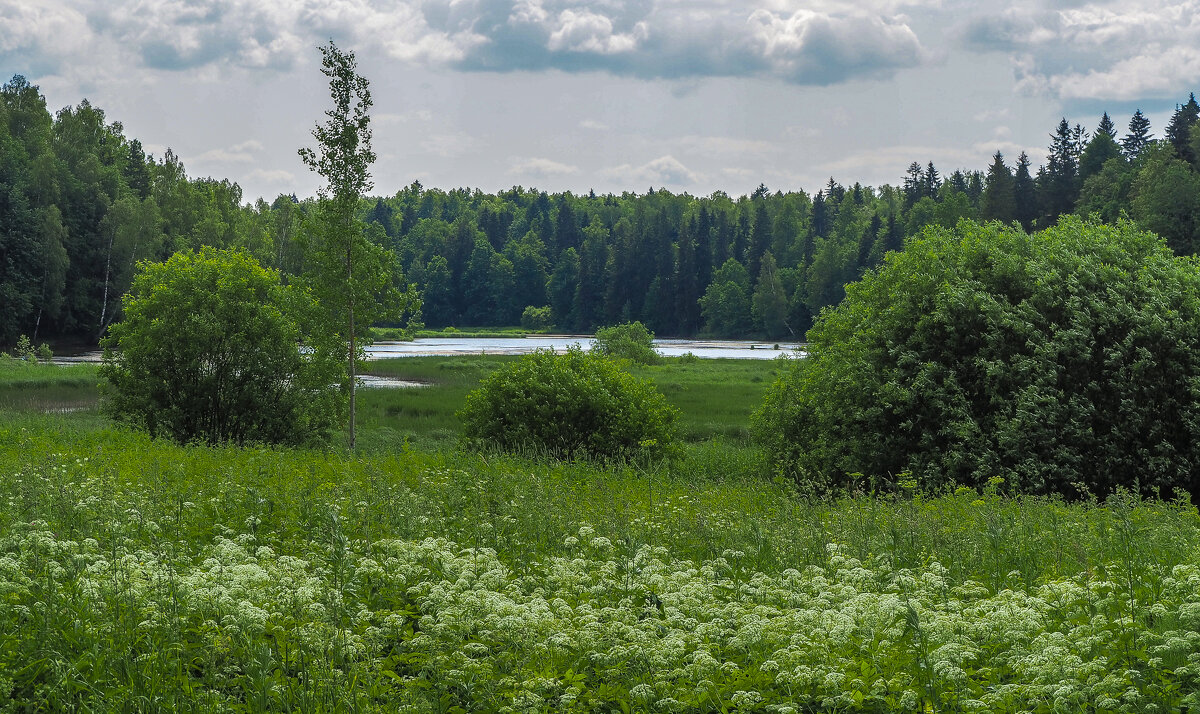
{"x":715,"y":397}
{"x":44,"y":387}
{"x":139,"y":575}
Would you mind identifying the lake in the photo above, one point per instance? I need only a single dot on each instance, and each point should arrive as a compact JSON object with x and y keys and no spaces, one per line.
{"x":708,"y":349}
{"x":432,"y":346}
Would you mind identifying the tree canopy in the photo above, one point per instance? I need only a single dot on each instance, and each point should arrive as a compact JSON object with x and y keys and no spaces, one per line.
{"x":214,"y":348}
{"x":1067,"y":361}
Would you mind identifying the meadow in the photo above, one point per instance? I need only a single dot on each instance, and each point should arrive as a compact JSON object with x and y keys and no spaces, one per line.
{"x":138,"y":575}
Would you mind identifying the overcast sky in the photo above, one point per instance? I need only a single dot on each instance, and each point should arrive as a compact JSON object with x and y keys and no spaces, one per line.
{"x":611,"y":95}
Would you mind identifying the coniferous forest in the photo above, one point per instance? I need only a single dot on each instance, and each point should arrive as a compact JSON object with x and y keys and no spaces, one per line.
{"x":81,"y":203}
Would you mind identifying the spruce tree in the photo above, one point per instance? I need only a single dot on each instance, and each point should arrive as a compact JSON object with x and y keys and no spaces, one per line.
{"x":1025,"y":195}
{"x":1100,"y":149}
{"x":1059,"y":180}
{"x":1139,"y":136}
{"x":1179,"y":130}
{"x":999,"y":201}
{"x":933,"y":181}
{"x":914,"y":184}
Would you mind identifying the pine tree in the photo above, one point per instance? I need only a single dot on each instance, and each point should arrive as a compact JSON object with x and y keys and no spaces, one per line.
{"x":1179,"y":130}
{"x":914,"y":184}
{"x":999,"y":201}
{"x":1139,"y":136}
{"x":933,"y":181}
{"x":1099,"y":150}
{"x":1106,"y":127}
{"x":1025,"y":195}
{"x":1059,"y":179}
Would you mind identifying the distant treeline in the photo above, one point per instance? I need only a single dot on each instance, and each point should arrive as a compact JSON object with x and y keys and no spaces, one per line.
{"x":81,"y":203}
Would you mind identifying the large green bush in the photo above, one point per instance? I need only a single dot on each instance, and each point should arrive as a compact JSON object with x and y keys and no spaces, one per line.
{"x":213,"y":348}
{"x":573,"y":403}
{"x":1063,"y":362}
{"x":630,"y":340}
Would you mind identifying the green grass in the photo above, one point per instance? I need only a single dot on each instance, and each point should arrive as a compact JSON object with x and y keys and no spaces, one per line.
{"x":715,"y":397}
{"x":138,"y":575}
{"x":42,"y":387}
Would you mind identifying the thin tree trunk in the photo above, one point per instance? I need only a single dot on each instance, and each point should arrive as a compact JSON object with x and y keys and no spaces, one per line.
{"x":104,"y":304}
{"x":350,"y":287}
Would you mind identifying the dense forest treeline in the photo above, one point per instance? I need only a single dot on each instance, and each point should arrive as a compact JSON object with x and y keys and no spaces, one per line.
{"x":81,"y":204}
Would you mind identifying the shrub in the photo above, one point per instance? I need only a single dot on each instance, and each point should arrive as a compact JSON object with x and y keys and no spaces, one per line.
{"x":536,"y":318}
{"x":1067,"y":361}
{"x":213,"y":348}
{"x":631,"y":341}
{"x":26,"y":352}
{"x":567,"y":404}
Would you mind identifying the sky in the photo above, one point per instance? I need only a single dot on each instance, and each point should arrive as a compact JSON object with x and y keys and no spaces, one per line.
{"x":609,"y":95}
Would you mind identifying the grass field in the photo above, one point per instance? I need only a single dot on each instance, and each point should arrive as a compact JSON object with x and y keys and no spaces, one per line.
{"x":138,"y":575}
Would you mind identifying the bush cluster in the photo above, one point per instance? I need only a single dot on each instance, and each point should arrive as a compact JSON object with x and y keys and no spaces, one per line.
{"x":568,"y":404}
{"x":630,"y":340}
{"x":1067,"y":361}
{"x":537,"y":318}
{"x":213,"y":348}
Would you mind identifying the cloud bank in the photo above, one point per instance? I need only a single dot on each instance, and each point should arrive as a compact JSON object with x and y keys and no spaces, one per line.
{"x":818,"y":44}
{"x":1128,"y":50}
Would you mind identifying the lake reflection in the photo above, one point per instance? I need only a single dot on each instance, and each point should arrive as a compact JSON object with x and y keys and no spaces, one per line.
{"x":708,"y":349}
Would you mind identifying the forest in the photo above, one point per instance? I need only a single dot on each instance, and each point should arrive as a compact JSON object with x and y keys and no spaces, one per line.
{"x":81,"y":203}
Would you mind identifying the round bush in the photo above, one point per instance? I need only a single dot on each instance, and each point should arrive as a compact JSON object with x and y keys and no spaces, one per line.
{"x":212,"y":349}
{"x":1063,"y":362}
{"x":568,"y":404}
{"x":631,"y":341}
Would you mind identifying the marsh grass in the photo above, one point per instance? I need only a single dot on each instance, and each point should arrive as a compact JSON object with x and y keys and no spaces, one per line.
{"x":49,"y":388}
{"x":138,"y":575}
{"x":715,"y":397}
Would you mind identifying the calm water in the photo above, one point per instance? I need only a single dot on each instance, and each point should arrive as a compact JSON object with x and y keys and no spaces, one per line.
{"x":427,"y":346}
{"x":430,"y":346}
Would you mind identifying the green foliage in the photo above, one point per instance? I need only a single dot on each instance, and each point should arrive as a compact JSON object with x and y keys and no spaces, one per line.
{"x":1063,"y":362}
{"x":358,"y":281}
{"x":537,"y":318}
{"x":574,"y":403}
{"x":214,"y":348}
{"x":631,"y":341}
{"x":307,"y":581}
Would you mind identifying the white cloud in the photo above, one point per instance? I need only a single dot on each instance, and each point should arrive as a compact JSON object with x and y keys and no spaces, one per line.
{"x":272,"y":176}
{"x":725,"y":146}
{"x":591,"y":32}
{"x":1147,"y":74}
{"x":1103,"y":50}
{"x":542,"y":168}
{"x":644,"y":38}
{"x":663,"y":171}
{"x":243,"y":153}
{"x":448,"y":146}
{"x":593,"y":125}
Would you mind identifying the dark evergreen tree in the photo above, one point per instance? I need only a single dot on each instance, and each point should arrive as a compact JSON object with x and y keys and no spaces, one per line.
{"x":1099,"y":150}
{"x":1025,"y":195}
{"x":567,"y":231}
{"x":933,"y":181}
{"x":999,"y":200}
{"x":687,"y":284}
{"x":760,"y":236}
{"x":561,"y":289}
{"x":593,"y":262}
{"x":1179,"y":130}
{"x":1059,"y":179}
{"x":1139,"y":136}
{"x":821,"y":223}
{"x":1106,"y":127}
{"x":914,"y":184}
